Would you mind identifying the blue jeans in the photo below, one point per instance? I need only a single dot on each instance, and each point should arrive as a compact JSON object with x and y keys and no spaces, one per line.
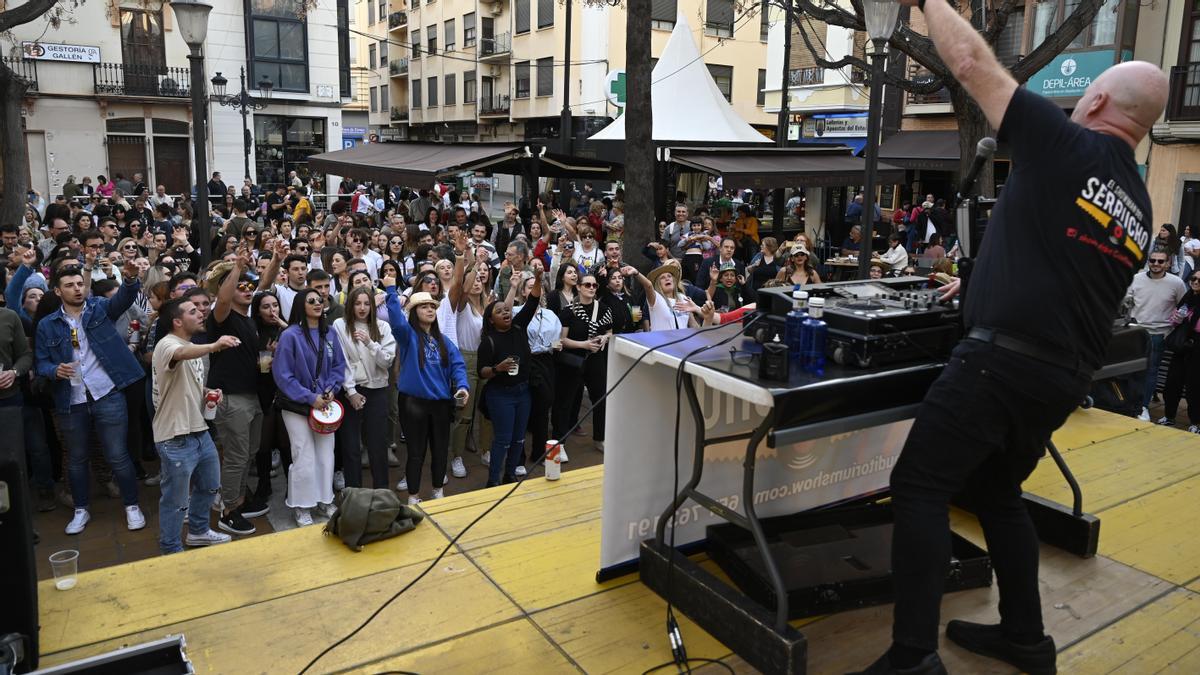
{"x":1157,"y":345}
{"x":110,"y":418}
{"x":189,"y":465}
{"x":509,"y":409}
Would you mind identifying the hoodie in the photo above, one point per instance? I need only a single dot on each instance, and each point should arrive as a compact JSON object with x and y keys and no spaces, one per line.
{"x":435,"y":381}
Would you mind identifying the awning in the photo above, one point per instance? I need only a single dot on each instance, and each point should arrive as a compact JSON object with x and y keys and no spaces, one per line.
{"x":780,"y":167}
{"x":932,"y":150}
{"x":420,"y":164}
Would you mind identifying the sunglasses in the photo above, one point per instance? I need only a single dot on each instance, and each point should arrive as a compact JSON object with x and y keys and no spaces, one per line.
{"x":249,"y":233}
{"x":588,"y":236}
{"x":1157,"y":262}
{"x":129,"y":247}
{"x":246,"y":286}
{"x":1195,"y":279}
{"x":588,"y":284}
{"x":312,"y":300}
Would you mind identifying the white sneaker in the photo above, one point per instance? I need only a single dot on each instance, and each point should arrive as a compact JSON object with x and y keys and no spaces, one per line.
{"x":437,"y":493}
{"x":303,"y":517}
{"x":79,"y":522}
{"x":457,"y":469}
{"x":1194,"y":429}
{"x":402,"y":486}
{"x":209,"y":538}
{"x":520,"y":472}
{"x":339,"y":481}
{"x":134,"y":518}
{"x":413,"y":500}
{"x":1145,"y":416}
{"x":391,"y":456}
{"x":1165,"y":421}
{"x":485,"y":458}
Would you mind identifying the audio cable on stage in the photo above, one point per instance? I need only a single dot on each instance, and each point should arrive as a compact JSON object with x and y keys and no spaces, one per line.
{"x":518,"y":484}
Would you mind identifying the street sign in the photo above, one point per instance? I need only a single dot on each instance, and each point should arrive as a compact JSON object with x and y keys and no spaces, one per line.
{"x":45,"y":51}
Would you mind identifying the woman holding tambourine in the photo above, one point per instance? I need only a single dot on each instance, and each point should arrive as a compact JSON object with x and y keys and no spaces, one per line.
{"x":309,"y":369}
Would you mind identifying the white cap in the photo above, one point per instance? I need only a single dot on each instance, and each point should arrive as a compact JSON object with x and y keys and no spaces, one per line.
{"x":816,"y":302}
{"x":798,"y":294}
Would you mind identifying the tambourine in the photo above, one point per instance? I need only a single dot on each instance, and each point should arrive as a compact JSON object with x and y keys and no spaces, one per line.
{"x":326,"y":420}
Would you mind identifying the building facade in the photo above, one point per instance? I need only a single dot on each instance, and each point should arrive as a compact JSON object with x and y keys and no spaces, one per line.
{"x":1173,"y":176}
{"x":112,"y":91}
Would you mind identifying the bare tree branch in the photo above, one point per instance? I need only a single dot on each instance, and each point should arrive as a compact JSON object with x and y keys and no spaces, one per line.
{"x":855,"y":62}
{"x":23,"y":14}
{"x":999,"y":19}
{"x":1057,"y":41}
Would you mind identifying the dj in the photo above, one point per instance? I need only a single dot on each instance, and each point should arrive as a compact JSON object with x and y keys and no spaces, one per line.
{"x":1064,"y":241}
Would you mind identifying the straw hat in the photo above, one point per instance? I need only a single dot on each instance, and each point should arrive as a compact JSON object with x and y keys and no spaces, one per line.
{"x":216,"y":275}
{"x":421,"y":298}
{"x":671,"y":267}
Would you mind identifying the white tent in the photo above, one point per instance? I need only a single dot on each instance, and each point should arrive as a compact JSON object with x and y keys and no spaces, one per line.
{"x":688,"y":107}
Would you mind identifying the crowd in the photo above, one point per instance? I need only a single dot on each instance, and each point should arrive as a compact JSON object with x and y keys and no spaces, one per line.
{"x":437,"y":329}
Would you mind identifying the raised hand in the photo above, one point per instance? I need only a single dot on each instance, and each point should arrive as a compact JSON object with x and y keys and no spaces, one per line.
{"x":226,"y":342}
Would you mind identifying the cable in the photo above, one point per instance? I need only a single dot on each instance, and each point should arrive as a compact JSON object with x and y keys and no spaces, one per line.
{"x":660,"y":666}
{"x":500,"y":501}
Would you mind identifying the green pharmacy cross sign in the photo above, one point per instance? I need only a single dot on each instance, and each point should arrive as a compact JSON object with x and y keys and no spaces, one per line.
{"x":614,"y":89}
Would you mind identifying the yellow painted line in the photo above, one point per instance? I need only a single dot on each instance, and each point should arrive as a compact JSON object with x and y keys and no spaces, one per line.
{"x":1162,"y":637}
{"x":1156,"y":533}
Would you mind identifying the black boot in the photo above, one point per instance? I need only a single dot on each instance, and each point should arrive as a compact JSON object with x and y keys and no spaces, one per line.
{"x":930,"y":665}
{"x":990,"y":640}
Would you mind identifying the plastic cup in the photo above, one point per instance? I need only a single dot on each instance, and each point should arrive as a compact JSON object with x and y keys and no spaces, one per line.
{"x":65,"y":565}
{"x":77,"y":377}
{"x":264,"y":361}
{"x":516,"y":368}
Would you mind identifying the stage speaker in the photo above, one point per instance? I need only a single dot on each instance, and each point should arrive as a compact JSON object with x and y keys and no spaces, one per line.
{"x":18,"y":571}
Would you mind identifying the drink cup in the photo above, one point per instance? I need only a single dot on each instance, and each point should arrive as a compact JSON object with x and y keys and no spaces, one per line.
{"x":65,"y":565}
{"x":264,"y":361}
{"x":460,"y":399}
{"x":516,"y":361}
{"x":77,"y":375}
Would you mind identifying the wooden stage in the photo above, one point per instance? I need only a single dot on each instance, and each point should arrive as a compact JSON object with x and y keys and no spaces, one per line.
{"x":518,"y":595}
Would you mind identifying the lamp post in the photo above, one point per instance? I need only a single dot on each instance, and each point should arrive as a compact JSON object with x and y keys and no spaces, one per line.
{"x":191,"y":16}
{"x":881,"y":17}
{"x":244,"y":103}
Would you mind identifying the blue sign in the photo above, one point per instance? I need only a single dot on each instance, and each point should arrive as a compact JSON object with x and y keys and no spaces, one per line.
{"x":354,"y":132}
{"x":348,"y":143}
{"x":1068,"y":75}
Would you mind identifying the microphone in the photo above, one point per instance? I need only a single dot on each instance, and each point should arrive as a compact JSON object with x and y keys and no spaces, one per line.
{"x":983,"y":152}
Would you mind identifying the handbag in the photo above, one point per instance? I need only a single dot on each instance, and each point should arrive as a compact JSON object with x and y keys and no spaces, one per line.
{"x":284,"y":403}
{"x":572,"y":360}
{"x":1181,"y":338}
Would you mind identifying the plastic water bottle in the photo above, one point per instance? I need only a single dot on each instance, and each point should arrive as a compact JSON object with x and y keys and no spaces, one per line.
{"x":793,"y":327}
{"x":815,"y":330}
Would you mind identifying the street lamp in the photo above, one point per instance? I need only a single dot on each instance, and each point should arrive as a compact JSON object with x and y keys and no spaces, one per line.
{"x":191,"y":17}
{"x":881,"y":17}
{"x":244,"y":103}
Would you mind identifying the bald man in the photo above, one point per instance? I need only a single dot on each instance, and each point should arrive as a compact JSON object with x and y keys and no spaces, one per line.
{"x":1065,"y":239}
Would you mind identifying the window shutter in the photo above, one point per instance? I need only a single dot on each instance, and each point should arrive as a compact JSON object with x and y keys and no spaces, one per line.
{"x":451,"y":84}
{"x":545,"y":13}
{"x":545,"y":76}
{"x":720,"y":13}
{"x":801,"y":56}
{"x":522,"y":16}
{"x":663,"y":10}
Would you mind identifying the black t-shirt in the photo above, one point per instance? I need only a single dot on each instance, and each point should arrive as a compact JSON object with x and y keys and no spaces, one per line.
{"x":586,"y":321}
{"x":1066,"y":237}
{"x":234,"y":370}
{"x":495,"y":346}
{"x":622,"y":312}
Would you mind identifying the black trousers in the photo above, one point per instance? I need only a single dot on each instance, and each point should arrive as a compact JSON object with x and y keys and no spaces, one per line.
{"x":980,"y":431}
{"x":568,"y":391}
{"x":274,"y":436}
{"x":1183,"y":371}
{"x":371,"y":423}
{"x":541,"y":390}
{"x":427,"y":424}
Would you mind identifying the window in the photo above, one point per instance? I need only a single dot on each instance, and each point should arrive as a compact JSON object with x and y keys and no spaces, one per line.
{"x":416,"y":45}
{"x":383,"y":99}
{"x":545,"y":76}
{"x":764,"y":27}
{"x":1050,"y":14}
{"x":370,"y":56}
{"x":449,"y":35}
{"x":416,"y":102}
{"x":469,"y":86}
{"x":374,"y":107}
{"x":1008,"y":45}
{"x":468,"y":30}
{"x":545,"y":13}
{"x":353,"y":51}
{"x":522,"y":78}
{"x":522,"y":20}
{"x":383,"y":58}
{"x":142,"y":39}
{"x":662,"y":14}
{"x":719,"y":18}
{"x":284,"y":144}
{"x":760,"y":97}
{"x":432,"y":89}
{"x":451,"y":86}
{"x":346,"y":57}
{"x":370,"y":13}
{"x":383,"y":15}
{"x":278,"y":43}
{"x":723,"y":76}
{"x":431,"y":36}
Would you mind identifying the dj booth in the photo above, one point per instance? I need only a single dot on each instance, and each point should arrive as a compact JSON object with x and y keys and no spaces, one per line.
{"x":779,"y":482}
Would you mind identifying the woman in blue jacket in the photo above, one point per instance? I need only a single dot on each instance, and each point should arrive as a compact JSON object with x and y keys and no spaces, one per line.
{"x":432,"y":375}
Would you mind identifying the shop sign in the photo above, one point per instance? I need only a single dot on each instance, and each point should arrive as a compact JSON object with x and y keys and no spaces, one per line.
{"x":836,"y":126}
{"x":354,"y":132}
{"x":1068,"y":75}
{"x":45,"y":51}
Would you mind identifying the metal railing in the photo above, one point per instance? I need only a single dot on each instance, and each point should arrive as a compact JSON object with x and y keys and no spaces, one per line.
{"x":858,"y":75}
{"x":24,"y":70}
{"x":129,"y":79}
{"x":798,"y":77}
{"x":397,"y":19}
{"x":500,"y":44}
{"x":918,"y":74}
{"x":497,"y":105}
{"x":398,"y":67}
{"x":399,"y":115}
{"x":1183,"y":103}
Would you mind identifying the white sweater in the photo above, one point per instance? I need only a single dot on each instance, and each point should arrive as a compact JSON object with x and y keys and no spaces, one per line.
{"x":376,"y":357}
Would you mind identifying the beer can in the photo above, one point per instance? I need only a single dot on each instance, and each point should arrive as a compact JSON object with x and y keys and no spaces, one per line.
{"x":553,"y":460}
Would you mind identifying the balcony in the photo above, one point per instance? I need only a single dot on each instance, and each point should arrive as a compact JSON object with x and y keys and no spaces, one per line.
{"x":1183,"y":103}
{"x":128,"y":79}
{"x":398,"y":67}
{"x":399,"y":115}
{"x":25,"y":71}
{"x":492,"y":47}
{"x":799,"y":77}
{"x":495,"y":106}
{"x":397,"y":20}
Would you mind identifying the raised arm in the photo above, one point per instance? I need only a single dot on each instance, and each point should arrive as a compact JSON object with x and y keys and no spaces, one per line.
{"x":457,"y":292}
{"x":279,"y":250}
{"x":651,"y":294}
{"x":224,"y":302}
{"x":970,"y":59}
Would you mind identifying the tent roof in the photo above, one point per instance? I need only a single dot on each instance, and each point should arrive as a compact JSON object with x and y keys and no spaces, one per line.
{"x":688,"y":107}
{"x":775,"y":167}
{"x":934,"y":150}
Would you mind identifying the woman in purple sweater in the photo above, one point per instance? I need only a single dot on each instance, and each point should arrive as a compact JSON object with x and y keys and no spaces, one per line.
{"x":309,"y":369}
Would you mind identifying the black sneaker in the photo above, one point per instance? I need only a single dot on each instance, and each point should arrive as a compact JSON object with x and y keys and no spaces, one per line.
{"x":234,"y":523}
{"x":254,"y":507}
{"x":989,"y":640}
{"x":930,"y":665}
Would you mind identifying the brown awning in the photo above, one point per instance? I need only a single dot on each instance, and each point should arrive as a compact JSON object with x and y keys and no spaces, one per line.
{"x":781,"y":167}
{"x":931,"y":150}
{"x":411,"y":164}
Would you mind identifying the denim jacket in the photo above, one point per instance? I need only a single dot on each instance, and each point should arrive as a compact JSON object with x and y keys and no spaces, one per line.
{"x":54,"y":343}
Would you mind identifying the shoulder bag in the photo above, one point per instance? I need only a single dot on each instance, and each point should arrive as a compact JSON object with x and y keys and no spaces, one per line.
{"x":1182,"y":338}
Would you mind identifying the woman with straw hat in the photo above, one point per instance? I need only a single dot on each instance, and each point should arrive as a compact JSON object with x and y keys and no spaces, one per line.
{"x":669,"y":307}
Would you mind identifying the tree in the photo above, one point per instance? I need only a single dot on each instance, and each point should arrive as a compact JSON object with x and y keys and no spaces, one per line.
{"x":14,"y":154}
{"x":640,"y":224}
{"x":972,"y":125}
